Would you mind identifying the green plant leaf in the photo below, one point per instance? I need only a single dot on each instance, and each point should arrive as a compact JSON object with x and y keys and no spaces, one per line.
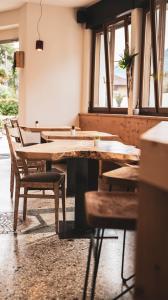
{"x":126,"y":60}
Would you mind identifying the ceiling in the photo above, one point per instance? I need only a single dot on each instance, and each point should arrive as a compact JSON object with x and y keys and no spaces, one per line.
{"x":12,"y":4}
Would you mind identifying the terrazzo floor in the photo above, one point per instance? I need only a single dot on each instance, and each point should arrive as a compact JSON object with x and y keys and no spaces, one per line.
{"x":35,"y":264}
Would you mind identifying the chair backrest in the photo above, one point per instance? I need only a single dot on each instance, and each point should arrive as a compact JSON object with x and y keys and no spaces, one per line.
{"x":14,"y":159}
{"x":15,"y":124}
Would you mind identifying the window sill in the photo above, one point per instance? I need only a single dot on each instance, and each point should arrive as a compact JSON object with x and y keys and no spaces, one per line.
{"x":114,"y":115}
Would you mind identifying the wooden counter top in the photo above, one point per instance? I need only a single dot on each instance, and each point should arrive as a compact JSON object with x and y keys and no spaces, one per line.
{"x":154,"y":163}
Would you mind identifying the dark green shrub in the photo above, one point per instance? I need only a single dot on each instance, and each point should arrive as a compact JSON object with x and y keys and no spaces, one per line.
{"x":3,"y":75}
{"x":8,"y":107}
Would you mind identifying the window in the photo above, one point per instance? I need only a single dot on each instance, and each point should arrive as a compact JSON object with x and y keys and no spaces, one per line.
{"x":108,"y":81}
{"x":155,"y":59}
{"x":100,"y":94}
{"x":119,"y":83}
{"x":164,"y":96}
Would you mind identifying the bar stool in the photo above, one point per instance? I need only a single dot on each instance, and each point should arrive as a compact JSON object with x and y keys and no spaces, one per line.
{"x":125,"y":177}
{"x":107,"y":210}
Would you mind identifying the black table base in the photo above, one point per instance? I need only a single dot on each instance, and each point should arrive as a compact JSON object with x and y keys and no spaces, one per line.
{"x":82,"y":176}
{"x":68,"y":231}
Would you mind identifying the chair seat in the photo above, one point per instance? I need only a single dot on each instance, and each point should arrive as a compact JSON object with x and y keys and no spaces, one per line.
{"x":117,"y":210}
{"x":49,"y":177}
{"x":30,"y":144}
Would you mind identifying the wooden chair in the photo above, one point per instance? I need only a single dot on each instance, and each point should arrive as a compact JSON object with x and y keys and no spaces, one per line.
{"x":108,"y":210}
{"x":53,"y":181}
{"x":32,"y":165}
{"x":19,"y":138}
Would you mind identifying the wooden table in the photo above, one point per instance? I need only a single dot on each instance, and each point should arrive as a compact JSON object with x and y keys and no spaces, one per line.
{"x":83,"y":168}
{"x":79,"y":135}
{"x":40,"y":129}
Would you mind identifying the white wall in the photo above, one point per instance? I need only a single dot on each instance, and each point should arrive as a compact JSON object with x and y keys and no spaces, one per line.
{"x":86,"y":71}
{"x":51,"y":81}
{"x":52,"y":77}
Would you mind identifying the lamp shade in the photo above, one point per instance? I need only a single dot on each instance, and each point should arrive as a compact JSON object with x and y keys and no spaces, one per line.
{"x":39,"y":45}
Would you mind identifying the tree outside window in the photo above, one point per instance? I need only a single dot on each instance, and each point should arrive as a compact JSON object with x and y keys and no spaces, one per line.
{"x":8,"y":80}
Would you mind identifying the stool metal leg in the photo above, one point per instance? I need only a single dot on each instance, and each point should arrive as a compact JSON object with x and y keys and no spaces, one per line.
{"x":96,"y":261}
{"x":122,"y":266}
{"x":122,"y":272}
{"x":124,"y":292}
{"x":96,"y":248}
{"x":87,"y":269}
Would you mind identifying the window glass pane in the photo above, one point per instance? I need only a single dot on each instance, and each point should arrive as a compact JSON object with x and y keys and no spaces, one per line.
{"x":165,"y":66}
{"x":162,"y":59}
{"x":151,"y":86}
{"x":102,"y":76}
{"x":151,"y":101}
{"x":100,"y":94}
{"x":129,"y":36}
{"x":120,"y":98}
{"x":148,"y":97}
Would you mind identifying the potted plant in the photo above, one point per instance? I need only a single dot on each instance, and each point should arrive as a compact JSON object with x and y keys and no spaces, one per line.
{"x":127,"y":62}
{"x":96,"y":140}
{"x":119,"y":99}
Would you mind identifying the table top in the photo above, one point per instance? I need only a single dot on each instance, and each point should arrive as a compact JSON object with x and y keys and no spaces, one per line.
{"x":45,"y":128}
{"x":107,"y":150}
{"x":79,"y":135}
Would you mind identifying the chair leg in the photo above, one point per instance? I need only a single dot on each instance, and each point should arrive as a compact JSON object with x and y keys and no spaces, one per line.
{"x":16,"y":206}
{"x":63,"y":202}
{"x":110,"y":187}
{"x":122,"y":266}
{"x":12,"y":178}
{"x":25,"y":204}
{"x":56,"y":199}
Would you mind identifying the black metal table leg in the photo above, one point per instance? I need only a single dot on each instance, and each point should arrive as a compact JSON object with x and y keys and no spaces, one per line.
{"x":85,"y":178}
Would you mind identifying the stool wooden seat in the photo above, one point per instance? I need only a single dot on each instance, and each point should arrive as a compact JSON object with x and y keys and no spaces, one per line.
{"x":117,"y":210}
{"x":108,"y":210}
{"x":126,"y":176}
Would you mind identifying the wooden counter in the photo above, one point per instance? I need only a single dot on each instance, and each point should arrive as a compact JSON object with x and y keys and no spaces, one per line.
{"x":152,"y":240}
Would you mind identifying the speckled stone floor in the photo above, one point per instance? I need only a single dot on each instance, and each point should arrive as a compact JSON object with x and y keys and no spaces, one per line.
{"x":36,"y":265}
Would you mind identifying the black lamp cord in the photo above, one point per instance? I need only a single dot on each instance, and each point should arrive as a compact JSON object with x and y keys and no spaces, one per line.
{"x":41,"y":11}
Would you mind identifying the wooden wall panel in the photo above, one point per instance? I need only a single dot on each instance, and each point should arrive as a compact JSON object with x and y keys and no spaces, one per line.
{"x":129,"y":128}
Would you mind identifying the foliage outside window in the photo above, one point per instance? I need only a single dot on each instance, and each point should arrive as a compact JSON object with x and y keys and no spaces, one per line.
{"x":108,"y":81}
{"x":8,"y":80}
